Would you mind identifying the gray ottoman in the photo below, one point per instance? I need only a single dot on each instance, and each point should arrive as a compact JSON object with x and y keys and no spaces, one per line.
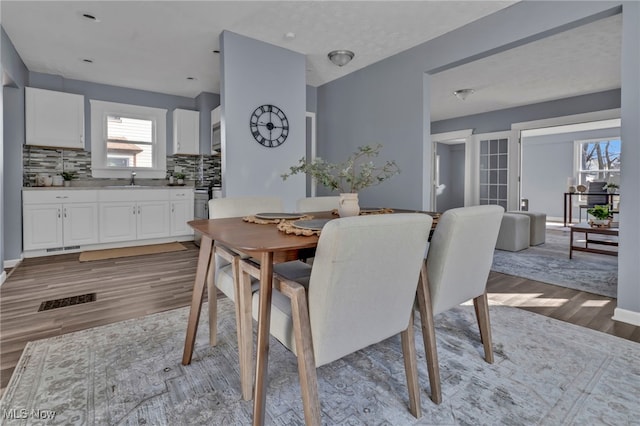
{"x":514,"y":232}
{"x":538,"y":227}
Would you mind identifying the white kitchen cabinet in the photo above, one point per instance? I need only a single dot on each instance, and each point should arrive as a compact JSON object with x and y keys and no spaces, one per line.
{"x":133,"y":214}
{"x":182,"y":211}
{"x":58,"y":218}
{"x":118,"y":221}
{"x":42,"y":228}
{"x":54,"y":119}
{"x":153,"y":219}
{"x":186,"y":132}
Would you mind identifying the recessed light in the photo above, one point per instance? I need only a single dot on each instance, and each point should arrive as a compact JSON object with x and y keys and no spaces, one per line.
{"x":90,"y":17}
{"x":290,"y":35}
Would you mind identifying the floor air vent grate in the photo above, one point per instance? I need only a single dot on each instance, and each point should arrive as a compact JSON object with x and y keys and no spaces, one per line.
{"x":67,"y":301}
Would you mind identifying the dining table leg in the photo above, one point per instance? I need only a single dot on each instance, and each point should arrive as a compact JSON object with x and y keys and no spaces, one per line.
{"x":206,"y":247}
{"x":262,"y":353}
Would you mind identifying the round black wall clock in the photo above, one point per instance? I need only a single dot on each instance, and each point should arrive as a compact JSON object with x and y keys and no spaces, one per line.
{"x":269,"y":126}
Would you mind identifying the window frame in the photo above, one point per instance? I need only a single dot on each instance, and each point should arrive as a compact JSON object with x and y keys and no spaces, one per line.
{"x":577,"y":165}
{"x":158,"y":116}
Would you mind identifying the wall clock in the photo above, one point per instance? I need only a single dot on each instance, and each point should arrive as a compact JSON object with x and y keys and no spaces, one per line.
{"x":269,"y":126}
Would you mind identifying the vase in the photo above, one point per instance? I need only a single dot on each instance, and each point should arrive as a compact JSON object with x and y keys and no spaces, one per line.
{"x":611,"y":190}
{"x":600,"y":223}
{"x":348,"y":204}
{"x":67,"y":183}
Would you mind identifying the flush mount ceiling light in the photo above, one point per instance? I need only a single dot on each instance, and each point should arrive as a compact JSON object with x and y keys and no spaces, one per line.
{"x":341,"y":57}
{"x":463,"y":94}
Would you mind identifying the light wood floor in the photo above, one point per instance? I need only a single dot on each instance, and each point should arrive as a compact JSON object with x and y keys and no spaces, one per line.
{"x":137,"y":286}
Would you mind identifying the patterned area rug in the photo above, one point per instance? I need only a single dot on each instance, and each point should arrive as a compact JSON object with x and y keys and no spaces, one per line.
{"x":546,"y":372}
{"x":550,"y":263}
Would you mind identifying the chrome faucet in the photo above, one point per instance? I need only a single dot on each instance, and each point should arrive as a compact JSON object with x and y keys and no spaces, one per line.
{"x":133,"y":179}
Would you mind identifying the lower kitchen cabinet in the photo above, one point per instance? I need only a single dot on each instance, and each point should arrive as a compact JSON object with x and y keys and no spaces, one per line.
{"x":59,"y":219}
{"x":62,"y":220}
{"x":133,"y":214}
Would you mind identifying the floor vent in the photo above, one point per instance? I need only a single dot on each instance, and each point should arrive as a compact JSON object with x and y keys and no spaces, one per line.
{"x":67,"y":301}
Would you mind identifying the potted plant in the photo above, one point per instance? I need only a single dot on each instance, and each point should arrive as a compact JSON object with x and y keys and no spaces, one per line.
{"x":356,"y":173}
{"x":602,"y":216}
{"x":611,"y":187}
{"x":68,"y":177}
{"x":180,"y":177}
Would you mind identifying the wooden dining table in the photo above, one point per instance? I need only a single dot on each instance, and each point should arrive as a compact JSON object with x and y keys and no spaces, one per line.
{"x":270,"y":246}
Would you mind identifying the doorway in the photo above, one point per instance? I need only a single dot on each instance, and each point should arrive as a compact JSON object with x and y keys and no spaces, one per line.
{"x":449,"y":175}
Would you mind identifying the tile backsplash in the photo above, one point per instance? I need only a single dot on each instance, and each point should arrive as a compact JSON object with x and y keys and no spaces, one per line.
{"x":201,"y":169}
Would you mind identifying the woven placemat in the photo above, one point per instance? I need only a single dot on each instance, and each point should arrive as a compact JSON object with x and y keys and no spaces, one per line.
{"x":253,"y":219}
{"x":381,"y":211}
{"x":288,"y":228}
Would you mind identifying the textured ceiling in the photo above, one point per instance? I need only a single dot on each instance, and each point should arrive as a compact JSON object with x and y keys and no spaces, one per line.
{"x":576,"y":62}
{"x":156,"y":45}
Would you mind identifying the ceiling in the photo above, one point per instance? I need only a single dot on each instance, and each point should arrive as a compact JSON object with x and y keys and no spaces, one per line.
{"x":157,"y":45}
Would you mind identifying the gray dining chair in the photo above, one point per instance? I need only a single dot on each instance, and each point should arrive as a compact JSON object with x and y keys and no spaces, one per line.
{"x":360,"y":291}
{"x":317,"y":204}
{"x":458,"y":264}
{"x":224,"y":275}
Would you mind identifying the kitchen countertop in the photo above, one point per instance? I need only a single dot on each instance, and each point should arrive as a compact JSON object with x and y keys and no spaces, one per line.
{"x":108,"y":187}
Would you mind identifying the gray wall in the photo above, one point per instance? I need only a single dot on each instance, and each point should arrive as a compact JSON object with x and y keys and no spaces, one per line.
{"x":547,"y":162}
{"x":13,"y":134}
{"x":104,"y":92}
{"x":205,"y":103}
{"x":253,"y":74}
{"x":496,"y":121}
{"x":388,"y":102}
{"x":628,"y":264}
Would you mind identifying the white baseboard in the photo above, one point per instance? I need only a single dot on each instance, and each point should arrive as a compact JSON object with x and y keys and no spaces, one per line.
{"x":624,"y":315}
{"x":12,"y":263}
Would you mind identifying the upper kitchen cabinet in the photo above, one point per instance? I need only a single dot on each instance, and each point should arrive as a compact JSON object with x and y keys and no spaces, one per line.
{"x":186,"y":132}
{"x":54,"y":119}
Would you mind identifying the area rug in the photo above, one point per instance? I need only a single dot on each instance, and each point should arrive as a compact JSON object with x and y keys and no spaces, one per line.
{"x":550,"y":263}
{"x":546,"y":372}
{"x":87,"y":256}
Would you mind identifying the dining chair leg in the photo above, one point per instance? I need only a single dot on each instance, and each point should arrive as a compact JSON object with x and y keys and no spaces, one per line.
{"x":481,"y":305}
{"x":411,"y":368}
{"x":245,"y":334}
{"x":212,"y":295}
{"x":304,"y":349}
{"x":429,"y":335}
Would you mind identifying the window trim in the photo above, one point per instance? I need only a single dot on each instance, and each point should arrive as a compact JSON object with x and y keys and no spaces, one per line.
{"x":99,"y":112}
{"x":577,"y":151}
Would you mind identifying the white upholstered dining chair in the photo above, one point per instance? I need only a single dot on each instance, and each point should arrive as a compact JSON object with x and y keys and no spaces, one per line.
{"x":458,"y":264}
{"x":361,"y":291}
{"x":224,"y":275}
{"x":317,"y":204}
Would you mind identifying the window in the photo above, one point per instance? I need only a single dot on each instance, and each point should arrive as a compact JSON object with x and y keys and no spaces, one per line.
{"x":494,"y":160}
{"x":126,"y":138}
{"x":598,"y":160}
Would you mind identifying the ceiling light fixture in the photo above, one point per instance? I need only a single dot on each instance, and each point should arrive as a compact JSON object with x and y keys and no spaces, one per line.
{"x":463,"y":94}
{"x":341,"y":57}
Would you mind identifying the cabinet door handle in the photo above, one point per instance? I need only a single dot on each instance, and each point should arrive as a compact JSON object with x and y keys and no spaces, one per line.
{"x":58,"y":213}
{"x":65,"y":212}
{"x":173,"y":208}
{"x":138,"y":210}
{"x":134,"y":209}
{"x":59,"y":196}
